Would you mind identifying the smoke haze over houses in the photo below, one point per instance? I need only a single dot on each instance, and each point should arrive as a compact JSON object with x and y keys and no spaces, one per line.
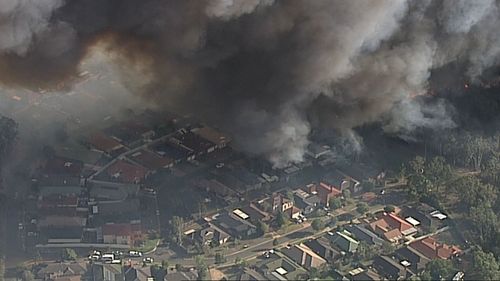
{"x":268,"y":72}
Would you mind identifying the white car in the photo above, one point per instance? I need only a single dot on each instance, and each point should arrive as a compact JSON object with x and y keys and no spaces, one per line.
{"x":148,"y":260}
{"x":134,"y":254}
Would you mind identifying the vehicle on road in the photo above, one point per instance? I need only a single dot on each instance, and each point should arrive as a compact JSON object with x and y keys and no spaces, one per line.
{"x":148,"y":260}
{"x":134,"y":254}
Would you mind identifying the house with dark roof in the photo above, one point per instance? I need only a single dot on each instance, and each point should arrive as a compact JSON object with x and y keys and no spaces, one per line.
{"x":307,"y":202}
{"x":364,"y":234}
{"x":212,"y":235}
{"x":390,"y":268}
{"x":213,"y":136}
{"x":181,"y":276}
{"x":345,"y":241}
{"x":249,"y":274}
{"x":102,"y":143}
{"x":360,"y":274}
{"x":304,"y":256}
{"x":60,"y":269}
{"x":130,"y":133}
{"x":193,"y":142}
{"x":62,"y":166}
{"x":173,"y":150}
{"x":106,"y":272}
{"x":234,"y":225}
{"x":417,"y":260}
{"x":279,"y":268}
{"x":132,"y":273}
{"x":323,"y":248}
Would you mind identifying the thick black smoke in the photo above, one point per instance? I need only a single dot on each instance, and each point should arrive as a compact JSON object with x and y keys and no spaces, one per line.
{"x":267,"y":71}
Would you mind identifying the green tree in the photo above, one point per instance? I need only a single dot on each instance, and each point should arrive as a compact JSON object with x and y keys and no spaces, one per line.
{"x":280,"y":219}
{"x":335,"y":203}
{"x":276,"y":242}
{"x":317,"y":224}
{"x":27,"y":275}
{"x":485,"y":220}
{"x":387,"y":248}
{"x":289,"y":195}
{"x":202,"y":267}
{"x":69,"y":254}
{"x":389,"y":208}
{"x":220,"y":258}
{"x":178,"y":267}
{"x":346,"y":193}
{"x":485,"y":266}
{"x":440,"y":269}
{"x":362,"y":208}
{"x":475,"y":148}
{"x":368,"y":185}
{"x":177,"y":224}
{"x":165,"y":265}
{"x":262,"y":228}
{"x":365,"y":251}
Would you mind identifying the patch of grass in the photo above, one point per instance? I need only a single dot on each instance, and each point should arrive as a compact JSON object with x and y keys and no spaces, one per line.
{"x":148,"y":245}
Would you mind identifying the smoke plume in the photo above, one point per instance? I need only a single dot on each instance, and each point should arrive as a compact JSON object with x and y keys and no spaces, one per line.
{"x":266,"y":71}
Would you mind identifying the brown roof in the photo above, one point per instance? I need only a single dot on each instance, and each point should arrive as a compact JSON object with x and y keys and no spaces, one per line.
{"x":60,"y":165}
{"x":104,"y":143}
{"x":212,"y":135}
{"x":127,"y":172}
{"x":430,"y":248}
{"x":120,"y":229}
{"x":151,"y":160}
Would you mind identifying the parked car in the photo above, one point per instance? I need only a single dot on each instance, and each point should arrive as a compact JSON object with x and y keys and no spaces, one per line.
{"x":134,"y":254}
{"x":148,"y":260}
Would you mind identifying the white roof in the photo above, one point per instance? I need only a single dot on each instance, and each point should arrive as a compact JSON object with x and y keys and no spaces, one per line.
{"x":438,"y":215}
{"x":405,"y":263}
{"x":412,"y":221}
{"x":281,"y":270}
{"x":240,"y":214}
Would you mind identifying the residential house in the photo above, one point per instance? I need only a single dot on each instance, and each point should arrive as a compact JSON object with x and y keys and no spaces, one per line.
{"x":234,"y":225}
{"x":212,"y":234}
{"x":125,"y":172}
{"x":432,"y":249}
{"x":255,"y":214}
{"x":364,"y":234}
{"x":304,"y":256}
{"x":106,"y":272}
{"x":391,"y":227}
{"x":194,"y":143}
{"x":62,"y":229}
{"x":424,"y":214}
{"x":307,"y":202}
{"x":279,"y":268}
{"x":174,"y":151}
{"x":360,"y":274}
{"x":107,"y":145}
{"x":417,"y":260}
{"x":122,"y":233}
{"x":345,"y":241}
{"x":324,"y":191}
{"x":151,"y":161}
{"x":390,"y":268}
{"x":132,"y":273}
{"x":181,"y":276}
{"x":130,"y":133}
{"x":280,"y":203}
{"x":213,"y":136}
{"x":293,"y":213}
{"x":315,"y":150}
{"x":60,"y":269}
{"x":323,"y":248}
{"x":216,"y":188}
{"x":249,"y":274}
{"x":117,"y":211}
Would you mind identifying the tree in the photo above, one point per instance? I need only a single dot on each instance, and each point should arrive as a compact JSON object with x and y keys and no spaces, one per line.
{"x":280,"y":219}
{"x":317,"y":224}
{"x":440,"y":269}
{"x":485,"y":265}
{"x":275,"y":242}
{"x":220,"y":258}
{"x":69,"y":254}
{"x":346,"y":193}
{"x":475,"y":148}
{"x":177,"y":224}
{"x":289,"y":195}
{"x":178,"y":267}
{"x":389,"y":208}
{"x":8,"y":133}
{"x":365,"y":251}
{"x":362,"y":208}
{"x":387,"y":248}
{"x":368,"y":185}
{"x":473,"y":192}
{"x":262,"y":228}
{"x":485,"y":220}
{"x":27,"y":275}
{"x":202,"y":267}
{"x":335,"y":203}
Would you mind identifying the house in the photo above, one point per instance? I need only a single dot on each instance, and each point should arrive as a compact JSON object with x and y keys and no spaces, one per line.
{"x":249,"y":274}
{"x":432,"y":249}
{"x":106,"y":272}
{"x":234,"y":225}
{"x":194,"y":143}
{"x":363,"y":234}
{"x":122,"y":233}
{"x":217,"y":188}
{"x":173,"y":150}
{"x":324,"y":191}
{"x":212,"y":234}
{"x":293,"y":213}
{"x":181,"y":276}
{"x":344,"y":241}
{"x":417,"y":260}
{"x":117,"y":211}
{"x":315,"y":150}
{"x":132,"y":273}
{"x":55,"y":270}
{"x":255,"y":213}
{"x":423,"y":213}
{"x":63,"y":166}
{"x":390,"y":268}
{"x":280,"y":203}
{"x":102,"y":143}
{"x":213,"y":136}
{"x":305,"y":201}
{"x":130,"y":133}
{"x":151,"y":160}
{"x":279,"y":268}
{"x":360,"y":274}
{"x":391,"y":227}
{"x":322,"y":247}
{"x":125,"y":172}
{"x":304,"y":256}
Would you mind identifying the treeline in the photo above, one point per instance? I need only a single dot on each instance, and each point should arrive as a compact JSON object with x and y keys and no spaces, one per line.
{"x":465,"y":178}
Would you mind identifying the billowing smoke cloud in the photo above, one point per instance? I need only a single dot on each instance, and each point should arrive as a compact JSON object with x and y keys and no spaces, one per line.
{"x":266,"y":71}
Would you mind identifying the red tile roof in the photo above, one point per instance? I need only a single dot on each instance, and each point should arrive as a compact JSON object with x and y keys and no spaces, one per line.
{"x":151,"y":160}
{"x":104,"y":143}
{"x":60,"y":165}
{"x":127,"y":172}
{"x":430,"y":248}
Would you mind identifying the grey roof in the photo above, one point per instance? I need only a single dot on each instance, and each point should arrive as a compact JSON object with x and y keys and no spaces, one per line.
{"x":60,"y":190}
{"x":364,"y":234}
{"x":181,"y":276}
{"x":61,"y":269}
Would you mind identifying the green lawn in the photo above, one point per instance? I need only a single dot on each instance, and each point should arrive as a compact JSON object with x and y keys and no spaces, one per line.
{"x":149,"y":245}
